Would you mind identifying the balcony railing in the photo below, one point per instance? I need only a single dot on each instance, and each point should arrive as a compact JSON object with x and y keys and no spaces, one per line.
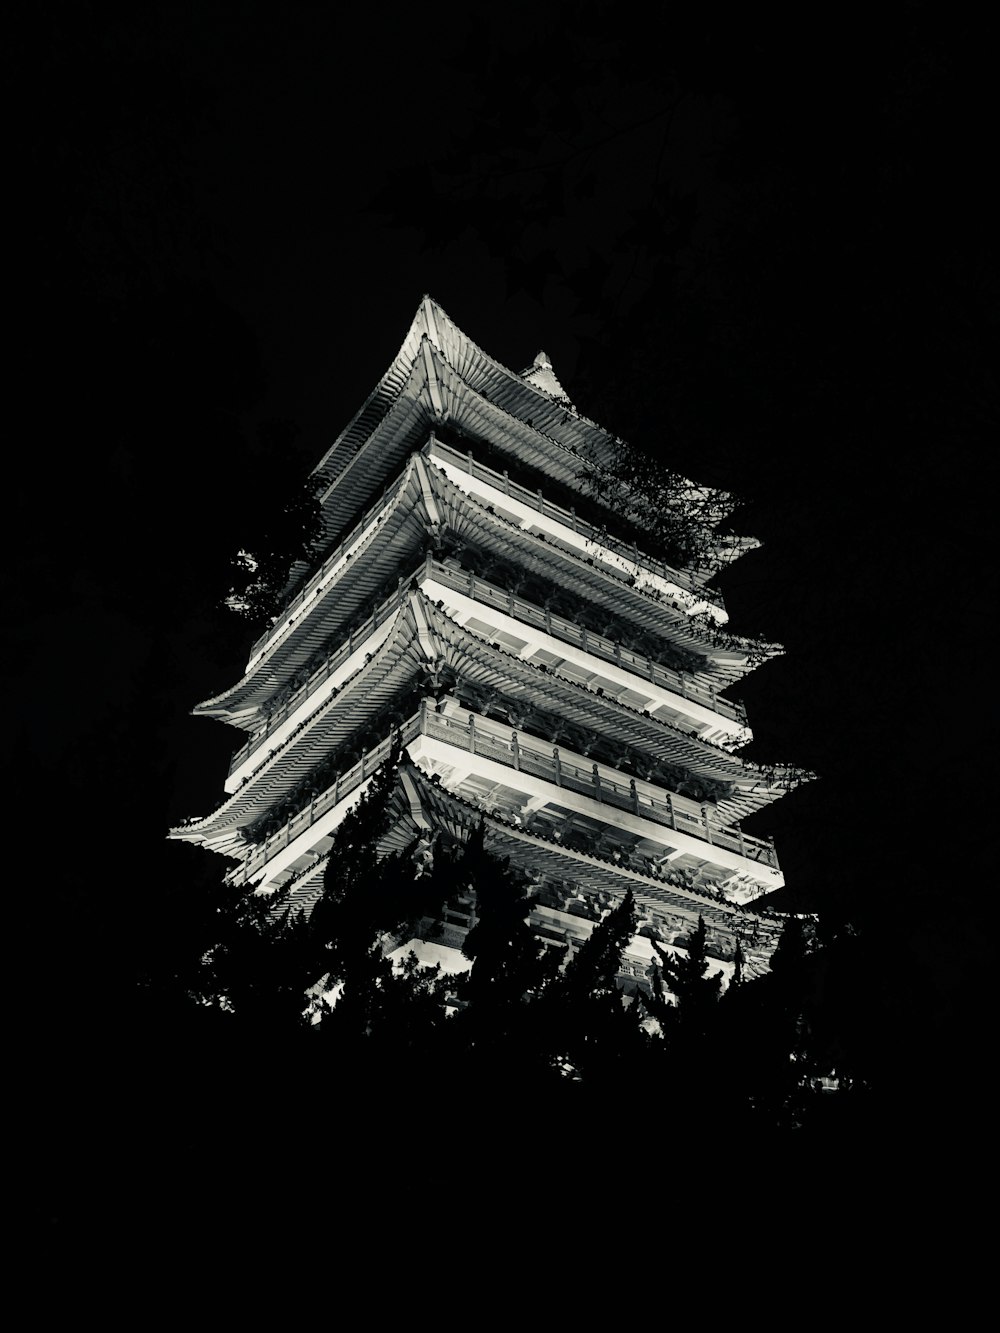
{"x":300,"y":599}
{"x":525,"y":754}
{"x":501,"y":482}
{"x":595,"y":644}
{"x":343,"y":785}
{"x":356,"y":637}
{"x":527,"y":613}
{"x":567,"y":517}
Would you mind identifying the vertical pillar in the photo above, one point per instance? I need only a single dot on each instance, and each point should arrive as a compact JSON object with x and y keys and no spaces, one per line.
{"x":634,"y":795}
{"x":516,"y":750}
{"x":597,"y":783}
{"x":555,"y":756}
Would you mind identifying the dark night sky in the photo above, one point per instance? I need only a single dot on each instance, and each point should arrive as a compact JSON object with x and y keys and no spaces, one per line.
{"x":758,"y":245}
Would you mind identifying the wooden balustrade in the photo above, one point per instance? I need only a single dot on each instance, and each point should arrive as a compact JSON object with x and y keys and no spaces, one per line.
{"x":489,"y":740}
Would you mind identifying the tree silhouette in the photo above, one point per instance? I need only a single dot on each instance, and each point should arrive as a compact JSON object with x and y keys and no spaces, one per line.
{"x":687,"y":978}
{"x":291,"y":536}
{"x":593,"y":1030}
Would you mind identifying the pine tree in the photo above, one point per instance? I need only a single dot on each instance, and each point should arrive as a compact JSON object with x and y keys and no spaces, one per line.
{"x":278,"y":972}
{"x":739,"y":962}
{"x":497,"y":1030}
{"x":290,"y":537}
{"x":591,"y":972}
{"x":367,"y":902}
{"x":760,"y":1043}
{"x":686,"y":977}
{"x":259,"y":968}
{"x":592,"y":1028}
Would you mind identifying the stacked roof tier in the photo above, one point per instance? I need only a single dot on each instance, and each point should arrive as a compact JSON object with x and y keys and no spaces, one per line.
{"x":544,"y":673}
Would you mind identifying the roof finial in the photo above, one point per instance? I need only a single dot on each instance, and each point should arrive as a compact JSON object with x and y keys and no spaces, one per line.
{"x":542,"y":376}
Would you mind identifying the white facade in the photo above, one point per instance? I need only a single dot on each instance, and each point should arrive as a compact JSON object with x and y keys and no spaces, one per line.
{"x":546,"y":674}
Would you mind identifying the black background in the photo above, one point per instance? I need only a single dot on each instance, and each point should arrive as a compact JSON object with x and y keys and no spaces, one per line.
{"x":755,"y":243}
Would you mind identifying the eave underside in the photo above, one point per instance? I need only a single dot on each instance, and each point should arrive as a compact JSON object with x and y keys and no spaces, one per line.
{"x":440,"y":377}
{"x":421,"y":508}
{"x":424,"y":641}
{"x":420,"y":806}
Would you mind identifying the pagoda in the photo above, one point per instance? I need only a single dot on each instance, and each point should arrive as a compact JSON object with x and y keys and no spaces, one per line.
{"x":545,"y":676}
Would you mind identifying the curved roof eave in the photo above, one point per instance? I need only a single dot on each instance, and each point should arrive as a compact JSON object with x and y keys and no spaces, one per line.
{"x":366,"y":693}
{"x":662,"y":738}
{"x":655,"y":893}
{"x":552,"y":416}
{"x":408,"y":517}
{"x":405,"y":520}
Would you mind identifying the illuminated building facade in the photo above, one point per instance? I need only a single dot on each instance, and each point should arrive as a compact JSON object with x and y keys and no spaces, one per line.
{"x":545,"y":674}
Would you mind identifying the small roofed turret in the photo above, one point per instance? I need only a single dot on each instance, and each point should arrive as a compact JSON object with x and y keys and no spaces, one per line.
{"x":542,"y":376}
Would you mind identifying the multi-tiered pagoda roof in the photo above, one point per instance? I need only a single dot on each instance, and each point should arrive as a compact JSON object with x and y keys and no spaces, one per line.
{"x":545,"y":674}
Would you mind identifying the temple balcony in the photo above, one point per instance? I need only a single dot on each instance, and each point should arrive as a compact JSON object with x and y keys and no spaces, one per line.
{"x":468,"y":752}
{"x":533,"y":513}
{"x":418,"y":643}
{"x":328,"y":571}
{"x":536,"y":635}
{"x":279,"y":725}
{"x":549,"y":793}
{"x":420,"y":507}
{"x":540,"y":635}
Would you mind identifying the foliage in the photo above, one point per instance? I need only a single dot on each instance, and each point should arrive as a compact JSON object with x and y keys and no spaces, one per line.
{"x":593,"y":1030}
{"x":367,"y":902}
{"x":269,"y":960}
{"x":261,"y":575}
{"x":530,"y":1017}
{"x":687,"y":978}
{"x":590,"y":973}
{"x":260,"y":966}
{"x":679,"y":519}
